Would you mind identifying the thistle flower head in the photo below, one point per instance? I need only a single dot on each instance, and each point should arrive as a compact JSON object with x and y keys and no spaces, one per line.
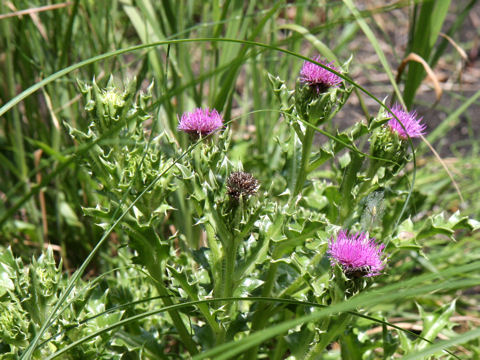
{"x":413,"y":127}
{"x":240,"y":183}
{"x":200,"y":121}
{"x":318,"y":78}
{"x":357,"y":254}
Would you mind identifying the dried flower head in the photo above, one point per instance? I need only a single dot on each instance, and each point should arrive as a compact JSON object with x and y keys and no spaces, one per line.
{"x":413,"y":127}
{"x":357,"y":254}
{"x":240,"y":183}
{"x":200,"y":121}
{"x":318,"y":78}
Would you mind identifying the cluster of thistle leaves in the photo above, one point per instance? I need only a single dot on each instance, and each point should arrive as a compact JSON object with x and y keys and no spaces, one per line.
{"x":189,"y":241}
{"x":29,"y":294}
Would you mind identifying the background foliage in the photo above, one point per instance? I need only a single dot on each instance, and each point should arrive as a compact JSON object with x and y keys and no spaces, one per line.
{"x":92,"y":164}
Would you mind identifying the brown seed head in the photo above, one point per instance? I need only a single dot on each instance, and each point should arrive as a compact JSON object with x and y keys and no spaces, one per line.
{"x":240,"y":183}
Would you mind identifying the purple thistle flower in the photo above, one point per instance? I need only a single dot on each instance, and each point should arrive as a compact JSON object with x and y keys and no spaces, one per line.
{"x":357,"y":254}
{"x":200,"y":121}
{"x":317,"y":77}
{"x":413,"y":127}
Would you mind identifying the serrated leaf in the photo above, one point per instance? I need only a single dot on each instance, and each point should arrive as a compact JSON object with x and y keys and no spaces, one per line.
{"x":434,"y":323}
{"x":185,"y":171}
{"x":163,"y":209}
{"x":5,"y":282}
{"x":406,"y":236}
{"x":438,"y":224}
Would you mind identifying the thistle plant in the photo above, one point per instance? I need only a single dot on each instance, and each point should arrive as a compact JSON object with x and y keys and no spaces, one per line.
{"x":246,"y":195}
{"x":28,"y":294}
{"x":203,"y":231}
{"x":318,"y":95}
{"x":390,"y":143}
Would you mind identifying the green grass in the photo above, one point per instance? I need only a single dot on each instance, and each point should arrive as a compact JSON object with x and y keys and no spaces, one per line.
{"x":219,"y":54}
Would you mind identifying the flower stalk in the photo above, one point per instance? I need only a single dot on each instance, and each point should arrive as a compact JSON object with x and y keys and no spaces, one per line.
{"x":185,"y":336}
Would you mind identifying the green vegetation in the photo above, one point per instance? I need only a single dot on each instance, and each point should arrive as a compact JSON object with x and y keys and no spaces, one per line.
{"x":123,"y":236}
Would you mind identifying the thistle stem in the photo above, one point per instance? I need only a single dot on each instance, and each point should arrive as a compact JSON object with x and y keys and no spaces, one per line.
{"x":229,"y":283}
{"x":261,"y":315}
{"x":175,"y":316}
{"x":372,"y":170}
{"x":306,"y":152}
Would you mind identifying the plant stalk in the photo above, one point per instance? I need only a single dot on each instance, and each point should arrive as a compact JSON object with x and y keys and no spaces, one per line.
{"x":261,"y":315}
{"x":175,"y":316}
{"x":306,"y":152}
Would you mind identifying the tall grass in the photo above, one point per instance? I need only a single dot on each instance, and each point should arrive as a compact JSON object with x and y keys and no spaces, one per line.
{"x":226,"y":55}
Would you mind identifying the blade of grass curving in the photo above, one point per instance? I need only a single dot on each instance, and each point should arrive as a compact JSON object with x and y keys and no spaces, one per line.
{"x":397,"y":291}
{"x":433,"y":349}
{"x":69,"y":69}
{"x":376,"y":45}
{"x":11,"y":103}
{"x":412,"y":57}
{"x":231,"y":349}
{"x":456,"y":46}
{"x":316,"y":43}
{"x":328,"y":311}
